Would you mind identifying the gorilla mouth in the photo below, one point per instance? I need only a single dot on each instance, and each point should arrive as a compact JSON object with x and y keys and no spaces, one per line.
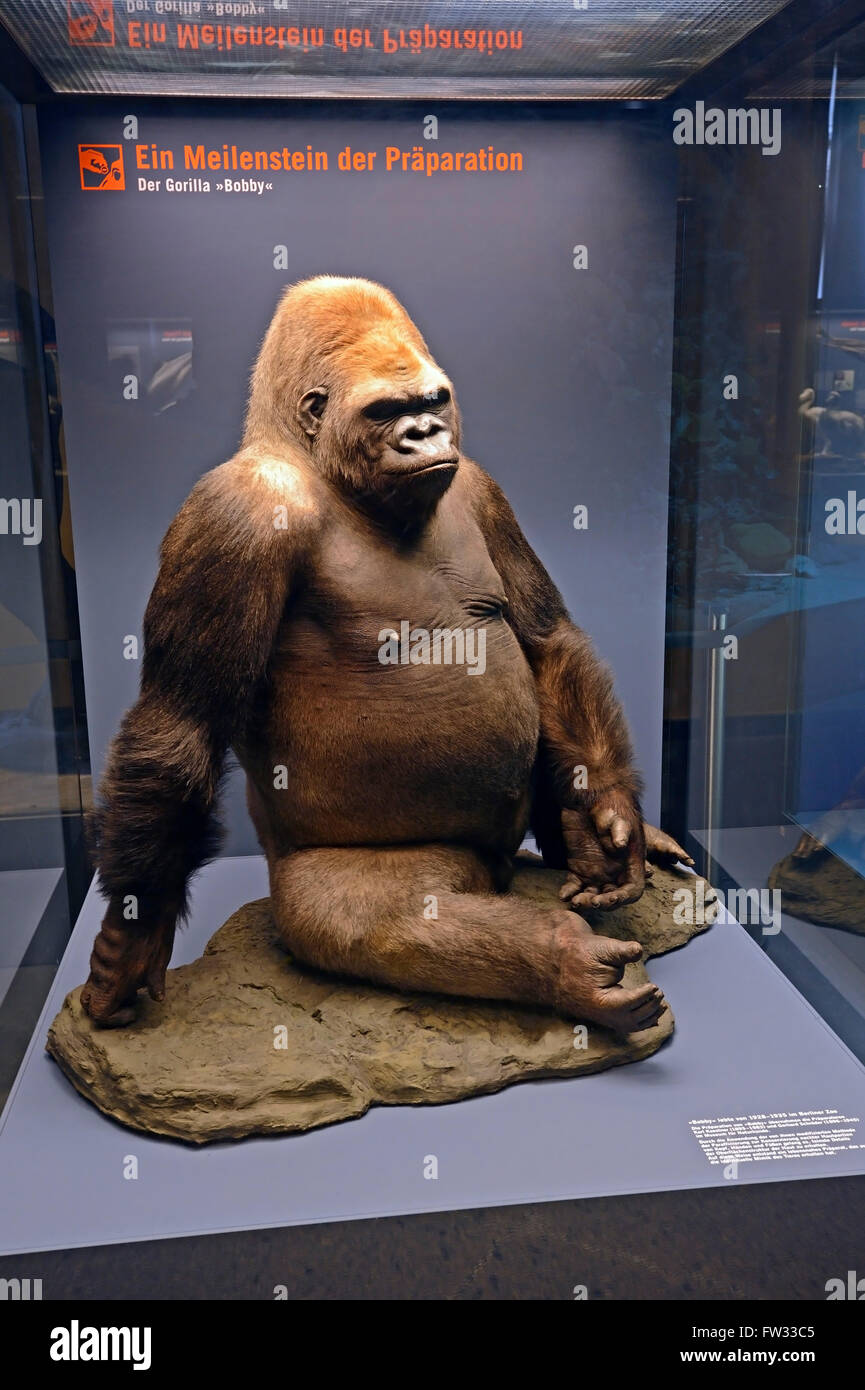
{"x":426,"y":466}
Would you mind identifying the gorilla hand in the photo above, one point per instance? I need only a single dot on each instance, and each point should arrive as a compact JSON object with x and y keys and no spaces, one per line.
{"x":606,"y":852}
{"x":126,"y":957}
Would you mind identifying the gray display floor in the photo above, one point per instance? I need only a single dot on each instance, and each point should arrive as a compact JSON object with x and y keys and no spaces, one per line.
{"x":748,"y":1052}
{"x":748,"y":854}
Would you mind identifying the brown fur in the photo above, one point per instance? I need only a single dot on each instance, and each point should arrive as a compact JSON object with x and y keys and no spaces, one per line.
{"x":339,"y":517}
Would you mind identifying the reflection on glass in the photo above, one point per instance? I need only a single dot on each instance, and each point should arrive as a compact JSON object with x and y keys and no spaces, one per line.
{"x":150,"y":360}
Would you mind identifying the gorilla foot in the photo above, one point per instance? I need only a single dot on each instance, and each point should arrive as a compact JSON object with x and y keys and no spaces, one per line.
{"x":590,"y":981}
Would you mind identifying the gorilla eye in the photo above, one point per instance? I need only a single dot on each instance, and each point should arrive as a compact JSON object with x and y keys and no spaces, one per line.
{"x":385,"y":410}
{"x":392,"y":409}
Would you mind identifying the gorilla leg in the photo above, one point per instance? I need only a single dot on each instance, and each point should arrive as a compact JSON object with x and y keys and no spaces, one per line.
{"x":433,"y":917}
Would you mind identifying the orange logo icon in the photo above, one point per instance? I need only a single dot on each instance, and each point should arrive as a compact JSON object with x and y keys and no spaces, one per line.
{"x":101,"y":166}
{"x":91,"y":22}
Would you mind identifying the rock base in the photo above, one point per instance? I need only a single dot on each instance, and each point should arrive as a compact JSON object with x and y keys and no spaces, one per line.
{"x":248,"y":1042}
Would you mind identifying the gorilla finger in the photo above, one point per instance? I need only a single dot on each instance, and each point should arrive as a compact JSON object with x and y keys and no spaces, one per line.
{"x":620,"y":832}
{"x":625,"y":893}
{"x":118,"y":1019}
{"x":109,"y":1008}
{"x":605,"y":902}
{"x":604,"y":818}
{"x":104,"y":951}
{"x":100,"y":971}
{"x":585,"y":895}
{"x":669,"y":861}
{"x":155,"y":985}
{"x":667,"y":845}
{"x":663,"y":849}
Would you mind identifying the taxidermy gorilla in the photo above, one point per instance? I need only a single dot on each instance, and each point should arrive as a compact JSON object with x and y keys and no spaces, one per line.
{"x":376,"y":789}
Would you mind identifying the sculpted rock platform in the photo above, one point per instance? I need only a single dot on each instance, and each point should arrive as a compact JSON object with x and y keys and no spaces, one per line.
{"x":203,"y":1066}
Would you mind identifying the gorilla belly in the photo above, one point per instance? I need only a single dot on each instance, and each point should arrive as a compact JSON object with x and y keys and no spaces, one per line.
{"x":400,"y":745}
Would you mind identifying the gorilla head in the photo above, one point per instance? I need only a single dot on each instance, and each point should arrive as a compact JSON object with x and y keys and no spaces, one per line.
{"x":345,"y":374}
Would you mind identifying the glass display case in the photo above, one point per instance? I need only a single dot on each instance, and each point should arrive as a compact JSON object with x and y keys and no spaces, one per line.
{"x":763,"y":644}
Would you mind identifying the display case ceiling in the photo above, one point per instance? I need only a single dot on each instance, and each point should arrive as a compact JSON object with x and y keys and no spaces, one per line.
{"x":611,"y":49}
{"x":837,"y":67}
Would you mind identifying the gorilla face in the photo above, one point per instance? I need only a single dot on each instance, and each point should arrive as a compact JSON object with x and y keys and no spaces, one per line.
{"x":391,"y":441}
{"x":345,"y":371}
{"x":414,"y":435}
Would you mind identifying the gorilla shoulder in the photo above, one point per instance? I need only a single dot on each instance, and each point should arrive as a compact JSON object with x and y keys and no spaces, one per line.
{"x":257,"y":491}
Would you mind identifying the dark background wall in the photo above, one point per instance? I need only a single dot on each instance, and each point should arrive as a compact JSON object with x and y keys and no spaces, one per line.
{"x":563,"y":375}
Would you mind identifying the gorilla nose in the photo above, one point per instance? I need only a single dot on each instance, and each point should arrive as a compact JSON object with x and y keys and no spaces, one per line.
{"x":423,"y":434}
{"x":419,"y":427}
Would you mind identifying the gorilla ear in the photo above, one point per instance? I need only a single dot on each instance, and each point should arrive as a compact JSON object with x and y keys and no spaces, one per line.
{"x":310,"y":410}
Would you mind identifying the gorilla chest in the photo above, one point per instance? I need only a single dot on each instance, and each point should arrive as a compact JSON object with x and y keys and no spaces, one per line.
{"x":409,"y":649}
{"x":436,"y":603}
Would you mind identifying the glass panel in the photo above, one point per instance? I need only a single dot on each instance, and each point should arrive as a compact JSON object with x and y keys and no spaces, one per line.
{"x":766,"y":627}
{"x":44,"y":772}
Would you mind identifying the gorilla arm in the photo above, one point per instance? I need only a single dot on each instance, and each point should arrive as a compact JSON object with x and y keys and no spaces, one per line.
{"x":586,"y":810}
{"x":225,"y":571}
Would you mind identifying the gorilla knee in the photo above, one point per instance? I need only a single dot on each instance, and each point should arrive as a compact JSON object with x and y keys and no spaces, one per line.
{"x":312,"y":915}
